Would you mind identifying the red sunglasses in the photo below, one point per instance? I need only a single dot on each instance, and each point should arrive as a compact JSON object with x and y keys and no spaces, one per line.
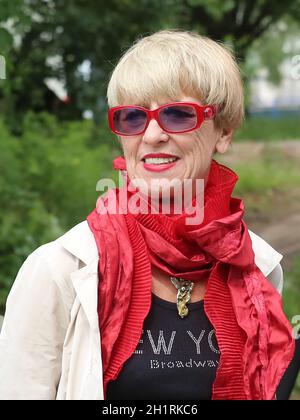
{"x":175,"y":117}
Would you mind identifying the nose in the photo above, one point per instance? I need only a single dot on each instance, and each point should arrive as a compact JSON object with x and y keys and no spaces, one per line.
{"x":154,"y":133}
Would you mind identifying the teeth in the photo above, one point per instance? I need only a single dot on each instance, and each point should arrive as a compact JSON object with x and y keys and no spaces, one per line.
{"x":158,"y":161}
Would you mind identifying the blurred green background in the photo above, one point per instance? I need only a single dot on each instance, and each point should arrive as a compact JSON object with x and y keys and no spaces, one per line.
{"x":55,"y":60}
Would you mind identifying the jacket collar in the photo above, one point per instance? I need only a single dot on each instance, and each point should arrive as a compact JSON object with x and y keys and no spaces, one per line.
{"x":80,"y":242}
{"x":266,"y":258}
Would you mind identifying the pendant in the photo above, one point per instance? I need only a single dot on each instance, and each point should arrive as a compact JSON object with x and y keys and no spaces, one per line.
{"x":184,"y":288}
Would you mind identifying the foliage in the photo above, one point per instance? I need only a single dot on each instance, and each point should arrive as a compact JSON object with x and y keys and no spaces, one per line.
{"x":291,"y":290}
{"x":269,"y":129}
{"x":55,"y":37}
{"x":268,"y":174}
{"x":47,"y":185}
{"x":46,"y":39}
{"x":280,"y":43}
{"x":291,"y":294}
{"x":239,"y":22}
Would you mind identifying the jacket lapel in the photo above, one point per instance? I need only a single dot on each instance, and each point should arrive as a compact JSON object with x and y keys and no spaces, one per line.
{"x":85,"y":283}
{"x":79,"y":241}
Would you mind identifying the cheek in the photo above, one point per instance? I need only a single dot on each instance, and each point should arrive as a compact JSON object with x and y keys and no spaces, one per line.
{"x":205,"y":140}
{"x":198,"y":151}
{"x":197,"y":147}
{"x":130,"y":148}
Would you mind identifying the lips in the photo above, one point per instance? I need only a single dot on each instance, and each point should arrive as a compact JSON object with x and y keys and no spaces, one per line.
{"x":159,"y":164}
{"x":159,"y":155}
{"x":159,"y":158}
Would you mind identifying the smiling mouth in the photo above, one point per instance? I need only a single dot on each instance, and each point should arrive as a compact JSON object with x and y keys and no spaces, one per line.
{"x":160,"y":161}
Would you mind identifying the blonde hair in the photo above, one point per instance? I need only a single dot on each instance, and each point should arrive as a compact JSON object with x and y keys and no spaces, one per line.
{"x":171,"y":63}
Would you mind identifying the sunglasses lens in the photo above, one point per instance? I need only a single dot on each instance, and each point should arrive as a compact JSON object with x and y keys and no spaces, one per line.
{"x":129,"y":120}
{"x":178,"y":118}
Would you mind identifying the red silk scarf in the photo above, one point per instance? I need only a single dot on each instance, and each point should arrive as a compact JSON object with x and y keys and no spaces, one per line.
{"x":254,"y":337}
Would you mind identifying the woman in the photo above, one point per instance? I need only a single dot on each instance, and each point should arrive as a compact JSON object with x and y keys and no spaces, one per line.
{"x":154,"y":304}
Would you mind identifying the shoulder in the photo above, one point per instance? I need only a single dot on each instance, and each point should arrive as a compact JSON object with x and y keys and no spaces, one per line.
{"x":70,"y":251}
{"x":38,"y":314}
{"x":267,"y":260}
{"x":75,"y":246}
{"x":50,"y":265}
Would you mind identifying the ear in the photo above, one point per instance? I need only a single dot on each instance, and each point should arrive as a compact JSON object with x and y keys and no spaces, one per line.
{"x":224,"y":140}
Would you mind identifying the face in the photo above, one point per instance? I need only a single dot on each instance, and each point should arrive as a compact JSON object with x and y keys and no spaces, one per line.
{"x":193,"y":150}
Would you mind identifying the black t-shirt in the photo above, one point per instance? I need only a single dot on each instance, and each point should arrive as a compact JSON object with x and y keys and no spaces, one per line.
{"x":176,"y":359}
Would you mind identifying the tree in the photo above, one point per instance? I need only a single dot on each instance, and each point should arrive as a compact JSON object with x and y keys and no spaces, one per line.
{"x":34,"y":32}
{"x":240,"y":22}
{"x":73,"y":31}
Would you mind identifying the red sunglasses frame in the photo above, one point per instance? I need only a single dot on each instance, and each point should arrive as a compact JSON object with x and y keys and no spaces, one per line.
{"x":206,"y":112}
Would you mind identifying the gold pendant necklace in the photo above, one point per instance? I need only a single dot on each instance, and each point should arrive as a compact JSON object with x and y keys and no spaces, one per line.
{"x":184,"y":288}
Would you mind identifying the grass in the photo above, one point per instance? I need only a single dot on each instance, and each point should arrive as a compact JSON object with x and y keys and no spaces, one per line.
{"x":269,"y":129}
{"x":260,"y":178}
{"x":291,"y":302}
{"x":292,"y":289}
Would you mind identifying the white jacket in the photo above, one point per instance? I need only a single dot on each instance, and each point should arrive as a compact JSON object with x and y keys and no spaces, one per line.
{"x":50,"y":340}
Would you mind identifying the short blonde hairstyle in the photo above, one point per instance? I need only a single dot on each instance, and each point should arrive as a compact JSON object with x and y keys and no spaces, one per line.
{"x":173,"y":63}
